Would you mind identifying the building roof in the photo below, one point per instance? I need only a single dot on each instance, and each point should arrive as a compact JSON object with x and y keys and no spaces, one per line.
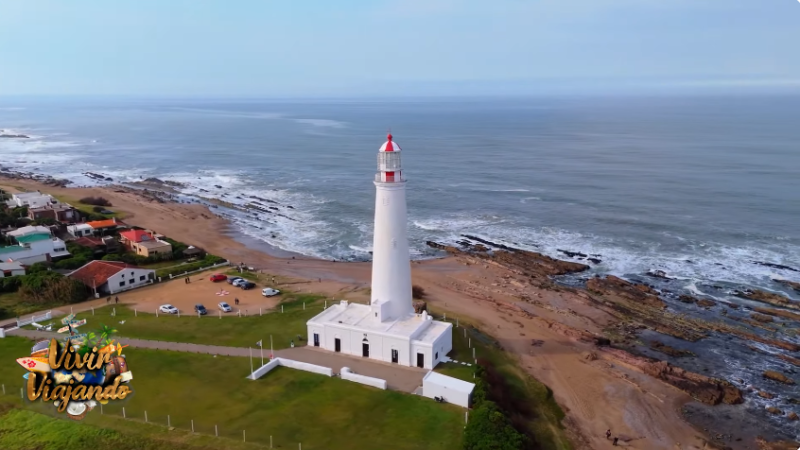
{"x":191,"y":250}
{"x":29,"y":230}
{"x":356,"y":316}
{"x":81,"y":226}
{"x":89,"y":242}
{"x":28,"y":238}
{"x":448,"y":382}
{"x":389,"y":145}
{"x":10,"y":266}
{"x":136,"y":235}
{"x":154,"y":244}
{"x":96,"y":273}
{"x":103,"y":223}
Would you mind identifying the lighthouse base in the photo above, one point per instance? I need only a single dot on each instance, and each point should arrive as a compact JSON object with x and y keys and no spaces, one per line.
{"x":354,"y":329}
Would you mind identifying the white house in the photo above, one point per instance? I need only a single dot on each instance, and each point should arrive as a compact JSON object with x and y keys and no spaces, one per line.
{"x":453,"y":390}
{"x":33,"y":248}
{"x":11,"y":269}
{"x":24,"y":231}
{"x":32,"y":200}
{"x":111,"y":277}
{"x":387,"y":329}
{"x":80,"y":230}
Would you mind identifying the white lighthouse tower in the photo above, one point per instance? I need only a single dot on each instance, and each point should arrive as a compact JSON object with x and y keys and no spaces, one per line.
{"x":391,"y":264}
{"x":387,"y":329}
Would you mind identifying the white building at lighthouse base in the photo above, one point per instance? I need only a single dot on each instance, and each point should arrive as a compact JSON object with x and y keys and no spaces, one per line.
{"x":415,"y":340}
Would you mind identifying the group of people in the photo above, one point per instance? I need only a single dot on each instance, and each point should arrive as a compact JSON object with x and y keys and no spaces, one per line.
{"x":187,"y":280}
{"x":116,"y":300}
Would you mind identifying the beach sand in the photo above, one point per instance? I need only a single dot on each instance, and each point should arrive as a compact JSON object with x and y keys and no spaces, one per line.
{"x":596,"y":394}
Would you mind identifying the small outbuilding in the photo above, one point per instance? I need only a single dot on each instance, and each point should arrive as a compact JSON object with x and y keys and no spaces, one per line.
{"x":455,"y":391}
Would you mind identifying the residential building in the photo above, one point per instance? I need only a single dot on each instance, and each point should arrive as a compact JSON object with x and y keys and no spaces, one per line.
{"x":111,"y":277}
{"x":11,"y":269}
{"x":61,"y":212}
{"x":145,"y":243}
{"x":32,"y":200}
{"x":105,"y":226}
{"x":33,"y":248}
{"x":24,"y":231}
{"x":194,"y":252}
{"x":80,"y":230}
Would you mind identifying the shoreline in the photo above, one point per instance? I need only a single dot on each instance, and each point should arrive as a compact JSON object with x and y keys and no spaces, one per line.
{"x":585,"y":388}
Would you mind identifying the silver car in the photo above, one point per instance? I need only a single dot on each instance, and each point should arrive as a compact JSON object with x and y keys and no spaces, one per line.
{"x":225,"y":307}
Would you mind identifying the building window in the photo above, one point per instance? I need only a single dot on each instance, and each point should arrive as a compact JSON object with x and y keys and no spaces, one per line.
{"x":437,"y":355}
{"x":122,"y":275}
{"x":121,"y":283}
{"x":131,"y":281}
{"x":133,"y":274}
{"x":141,"y":278}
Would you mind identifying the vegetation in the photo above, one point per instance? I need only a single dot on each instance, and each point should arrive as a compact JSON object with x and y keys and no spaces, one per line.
{"x":231,"y":330}
{"x":97,"y":201}
{"x":87,"y":209}
{"x":38,"y":290}
{"x":207,"y":261}
{"x":14,"y":217}
{"x":289,"y":405}
{"x":490,"y":429}
{"x":417,"y":292}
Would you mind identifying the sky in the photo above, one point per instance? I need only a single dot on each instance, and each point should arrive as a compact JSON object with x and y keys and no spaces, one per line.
{"x":394,"y":47}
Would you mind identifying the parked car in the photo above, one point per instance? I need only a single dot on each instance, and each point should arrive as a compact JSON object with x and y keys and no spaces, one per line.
{"x":198,"y":308}
{"x":169,"y":309}
{"x":269,"y":292}
{"x":217,"y":277}
{"x":232,"y":280}
{"x":225,"y":307}
{"x":239,"y":282}
{"x":247,"y":285}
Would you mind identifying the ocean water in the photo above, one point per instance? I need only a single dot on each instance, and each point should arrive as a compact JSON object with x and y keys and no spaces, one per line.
{"x":699,"y":187}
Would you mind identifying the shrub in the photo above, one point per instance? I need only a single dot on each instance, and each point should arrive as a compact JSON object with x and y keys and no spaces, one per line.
{"x":489,"y":429}
{"x":51,"y":287}
{"x":37,"y":268}
{"x":99,"y":201}
{"x":417,"y":292}
{"x":10,"y":284}
{"x":209,"y":260}
{"x":71,"y":263}
{"x":97,"y":209}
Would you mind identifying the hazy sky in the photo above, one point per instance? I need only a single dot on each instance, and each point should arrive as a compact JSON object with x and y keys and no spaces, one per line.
{"x":395,"y":47}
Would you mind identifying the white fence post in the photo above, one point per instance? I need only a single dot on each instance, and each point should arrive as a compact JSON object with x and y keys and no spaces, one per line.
{"x":101,"y":408}
{"x":156,"y":312}
{"x":220,"y":314}
{"x":281,"y":308}
{"x":123,"y":412}
{"x":168,"y":424}
{"x":466,"y":416}
{"x":21,"y":395}
{"x":192,"y":425}
{"x":145,"y":417}
{"x":92,"y":311}
{"x":244,"y":437}
{"x":134,"y":313}
{"x":179,"y":313}
{"x":304,"y":306}
{"x":259,"y":311}
{"x":270,"y":441}
{"x":216,"y":433}
{"x":4,"y":389}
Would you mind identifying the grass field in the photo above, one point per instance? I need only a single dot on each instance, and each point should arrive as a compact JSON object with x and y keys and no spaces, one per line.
{"x":88,"y":209}
{"x":291,"y":406}
{"x":229,"y":331}
{"x":12,"y":305}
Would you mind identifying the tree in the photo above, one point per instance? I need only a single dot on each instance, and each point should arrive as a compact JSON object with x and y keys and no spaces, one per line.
{"x":489,"y":429}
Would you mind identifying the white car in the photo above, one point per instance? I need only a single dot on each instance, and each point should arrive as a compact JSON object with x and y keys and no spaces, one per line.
{"x":225,"y":307}
{"x":169,"y":309}
{"x":269,"y":292}
{"x":238,"y":282}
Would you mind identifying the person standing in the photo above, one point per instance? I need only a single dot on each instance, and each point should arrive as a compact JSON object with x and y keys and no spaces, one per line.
{"x":608,"y":433}
{"x":116,"y":299}
{"x":616,"y":439}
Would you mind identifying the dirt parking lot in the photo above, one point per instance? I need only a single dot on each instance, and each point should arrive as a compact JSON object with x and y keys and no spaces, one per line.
{"x":200,"y":290}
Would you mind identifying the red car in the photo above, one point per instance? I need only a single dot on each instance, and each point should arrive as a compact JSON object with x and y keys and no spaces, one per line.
{"x":217,"y":277}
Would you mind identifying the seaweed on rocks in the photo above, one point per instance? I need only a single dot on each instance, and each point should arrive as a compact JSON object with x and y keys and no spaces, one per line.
{"x":769,"y":298}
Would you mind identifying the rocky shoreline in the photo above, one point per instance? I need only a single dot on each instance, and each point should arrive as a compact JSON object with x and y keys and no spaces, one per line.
{"x":638,"y":307}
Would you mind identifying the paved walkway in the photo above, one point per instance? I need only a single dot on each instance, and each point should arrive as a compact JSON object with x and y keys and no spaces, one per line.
{"x":398,"y":378}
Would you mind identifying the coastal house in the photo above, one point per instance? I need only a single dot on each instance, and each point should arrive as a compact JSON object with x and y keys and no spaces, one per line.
{"x":60,"y":212}
{"x":111,"y":277}
{"x":194,"y":252}
{"x":24,"y":231}
{"x":145,"y":243}
{"x":32,"y":200}
{"x":11,"y":269}
{"x":105,"y":226}
{"x":80,"y":230}
{"x":33,"y":248}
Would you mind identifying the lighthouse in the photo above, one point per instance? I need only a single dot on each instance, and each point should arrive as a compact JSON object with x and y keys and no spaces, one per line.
{"x":387,"y":329}
{"x":391,"y":264}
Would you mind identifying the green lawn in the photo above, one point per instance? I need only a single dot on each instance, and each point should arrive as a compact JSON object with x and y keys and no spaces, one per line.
{"x":229,"y":331}
{"x":165,"y":264}
{"x":88,"y":209}
{"x":547,"y":415}
{"x":291,"y":406}
{"x":11,"y":305}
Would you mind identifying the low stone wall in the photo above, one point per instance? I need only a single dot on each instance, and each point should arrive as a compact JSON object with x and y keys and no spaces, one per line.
{"x":356,"y":378}
{"x":266,"y":368}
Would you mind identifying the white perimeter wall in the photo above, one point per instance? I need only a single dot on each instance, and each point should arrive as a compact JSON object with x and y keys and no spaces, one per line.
{"x":266,"y":368}
{"x":356,"y":378}
{"x":431,"y":390}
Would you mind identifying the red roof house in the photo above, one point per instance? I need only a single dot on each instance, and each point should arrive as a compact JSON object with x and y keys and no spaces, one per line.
{"x":110,"y":277}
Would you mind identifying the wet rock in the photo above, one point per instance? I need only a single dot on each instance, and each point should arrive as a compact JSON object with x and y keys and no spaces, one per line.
{"x":706,"y":303}
{"x":777,"y":376}
{"x":732,"y":305}
{"x":763,"y":444}
{"x":490,"y":243}
{"x":590,"y":356}
{"x":671,"y":351}
{"x":594,"y":260}
{"x":218,"y":186}
{"x":658,"y":274}
{"x":766,"y":395}
{"x":778,"y":313}
{"x":792,"y":284}
{"x":687,"y":299}
{"x":768,"y":298}
{"x":790,"y":360}
{"x":761,"y":318}
{"x":611,"y":285}
{"x":792,"y":416}
{"x":776,"y":266}
{"x":573,"y":254}
{"x":774,"y":410}
{"x":14,"y":136}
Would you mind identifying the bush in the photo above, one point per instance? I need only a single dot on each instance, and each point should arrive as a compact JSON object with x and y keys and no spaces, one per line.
{"x":71,"y":263}
{"x":99,"y":201}
{"x":417,"y":292}
{"x":11,"y":284}
{"x":489,"y":429}
{"x":98,"y":209}
{"x":209,"y":260}
{"x":37,"y":268}
{"x":51,"y":287}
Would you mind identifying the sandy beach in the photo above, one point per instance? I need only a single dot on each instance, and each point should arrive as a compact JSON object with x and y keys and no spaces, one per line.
{"x":595,"y":391}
